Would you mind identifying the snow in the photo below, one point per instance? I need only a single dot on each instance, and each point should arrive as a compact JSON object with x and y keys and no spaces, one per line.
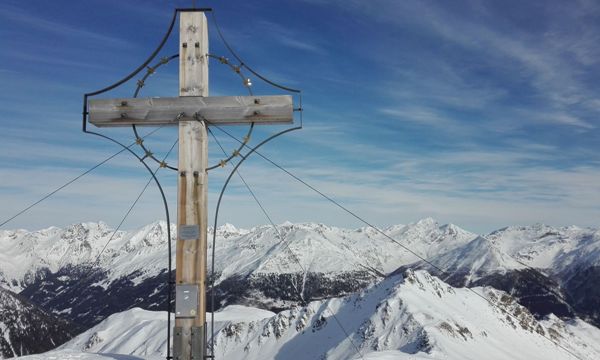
{"x":241,"y":313}
{"x":317,"y":247}
{"x":407,"y":316}
{"x":561,"y":250}
{"x":393,"y":355}
{"x":77,"y":355}
{"x":139,"y":333}
{"x":410,"y":316}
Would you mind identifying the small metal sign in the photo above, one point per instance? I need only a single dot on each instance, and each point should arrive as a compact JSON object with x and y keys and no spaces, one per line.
{"x":189,"y":232}
{"x":186,"y":301}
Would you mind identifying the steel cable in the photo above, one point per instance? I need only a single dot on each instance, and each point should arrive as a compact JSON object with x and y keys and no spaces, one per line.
{"x":166,"y":206}
{"x":71,"y":181}
{"x":244,"y":157}
{"x":361,"y":219}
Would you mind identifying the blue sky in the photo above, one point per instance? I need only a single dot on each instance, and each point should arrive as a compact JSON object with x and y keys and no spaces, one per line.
{"x":479,"y":113}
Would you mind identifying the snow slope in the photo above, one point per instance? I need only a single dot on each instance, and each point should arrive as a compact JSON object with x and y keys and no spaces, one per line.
{"x":408,"y":316}
{"x":558,"y":249}
{"x":140,"y":334}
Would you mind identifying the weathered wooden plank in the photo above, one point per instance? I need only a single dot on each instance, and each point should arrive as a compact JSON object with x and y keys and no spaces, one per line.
{"x":221,"y":110}
{"x":192,"y":181}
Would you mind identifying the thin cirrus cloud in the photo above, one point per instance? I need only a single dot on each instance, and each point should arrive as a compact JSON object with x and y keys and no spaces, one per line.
{"x":289,"y":37}
{"x":552,"y":66}
{"x":13,"y":14}
{"x":388,"y":198}
{"x":428,"y":109}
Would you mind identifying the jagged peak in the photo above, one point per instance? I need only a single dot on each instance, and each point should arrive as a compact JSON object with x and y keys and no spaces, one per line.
{"x":426,"y":222}
{"x":452,"y":229}
{"x":227,"y":228}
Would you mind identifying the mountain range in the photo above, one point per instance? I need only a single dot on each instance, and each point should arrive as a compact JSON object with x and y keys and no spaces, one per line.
{"x":86,"y":272}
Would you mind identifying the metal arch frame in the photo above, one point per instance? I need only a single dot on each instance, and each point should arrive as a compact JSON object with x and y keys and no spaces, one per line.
{"x":118,"y":83}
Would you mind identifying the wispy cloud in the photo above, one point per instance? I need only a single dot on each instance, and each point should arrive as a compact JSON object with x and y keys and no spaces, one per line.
{"x":451,"y":111}
{"x":422,"y":115}
{"x":14,"y":14}
{"x":490,"y":198}
{"x":52,"y":60}
{"x":289,"y":37}
{"x":552,"y":64}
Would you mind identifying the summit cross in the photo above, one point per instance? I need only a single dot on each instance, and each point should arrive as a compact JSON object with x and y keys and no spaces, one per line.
{"x":192,"y":111}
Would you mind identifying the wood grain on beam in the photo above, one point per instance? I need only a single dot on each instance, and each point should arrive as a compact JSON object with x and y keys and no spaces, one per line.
{"x":165,"y":110}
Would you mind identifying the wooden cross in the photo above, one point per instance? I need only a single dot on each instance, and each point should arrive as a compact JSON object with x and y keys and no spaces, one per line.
{"x":193,"y":103}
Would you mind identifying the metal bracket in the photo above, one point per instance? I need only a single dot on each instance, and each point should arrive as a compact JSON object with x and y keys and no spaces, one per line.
{"x":198,"y":342}
{"x":177,"y":343}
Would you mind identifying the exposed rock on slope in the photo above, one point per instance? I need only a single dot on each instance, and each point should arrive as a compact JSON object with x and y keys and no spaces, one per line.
{"x":409,"y":316}
{"x":26,"y":329}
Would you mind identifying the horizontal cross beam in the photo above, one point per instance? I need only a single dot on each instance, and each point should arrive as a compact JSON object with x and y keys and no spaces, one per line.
{"x":221,"y":110}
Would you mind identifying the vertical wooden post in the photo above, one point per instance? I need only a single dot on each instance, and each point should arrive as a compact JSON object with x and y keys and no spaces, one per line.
{"x":190,"y":311}
{"x":189,"y":336}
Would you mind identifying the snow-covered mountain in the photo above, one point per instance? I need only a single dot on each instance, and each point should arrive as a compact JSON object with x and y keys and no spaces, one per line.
{"x":27,"y":329}
{"x":271,"y":268}
{"x":406,"y":316}
{"x":569,"y":255}
{"x":260,"y":250}
{"x":566,"y":262}
{"x":279,"y":268}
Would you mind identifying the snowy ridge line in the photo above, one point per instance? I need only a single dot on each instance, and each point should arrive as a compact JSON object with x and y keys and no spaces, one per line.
{"x":445,"y":273}
{"x":448,"y":275}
